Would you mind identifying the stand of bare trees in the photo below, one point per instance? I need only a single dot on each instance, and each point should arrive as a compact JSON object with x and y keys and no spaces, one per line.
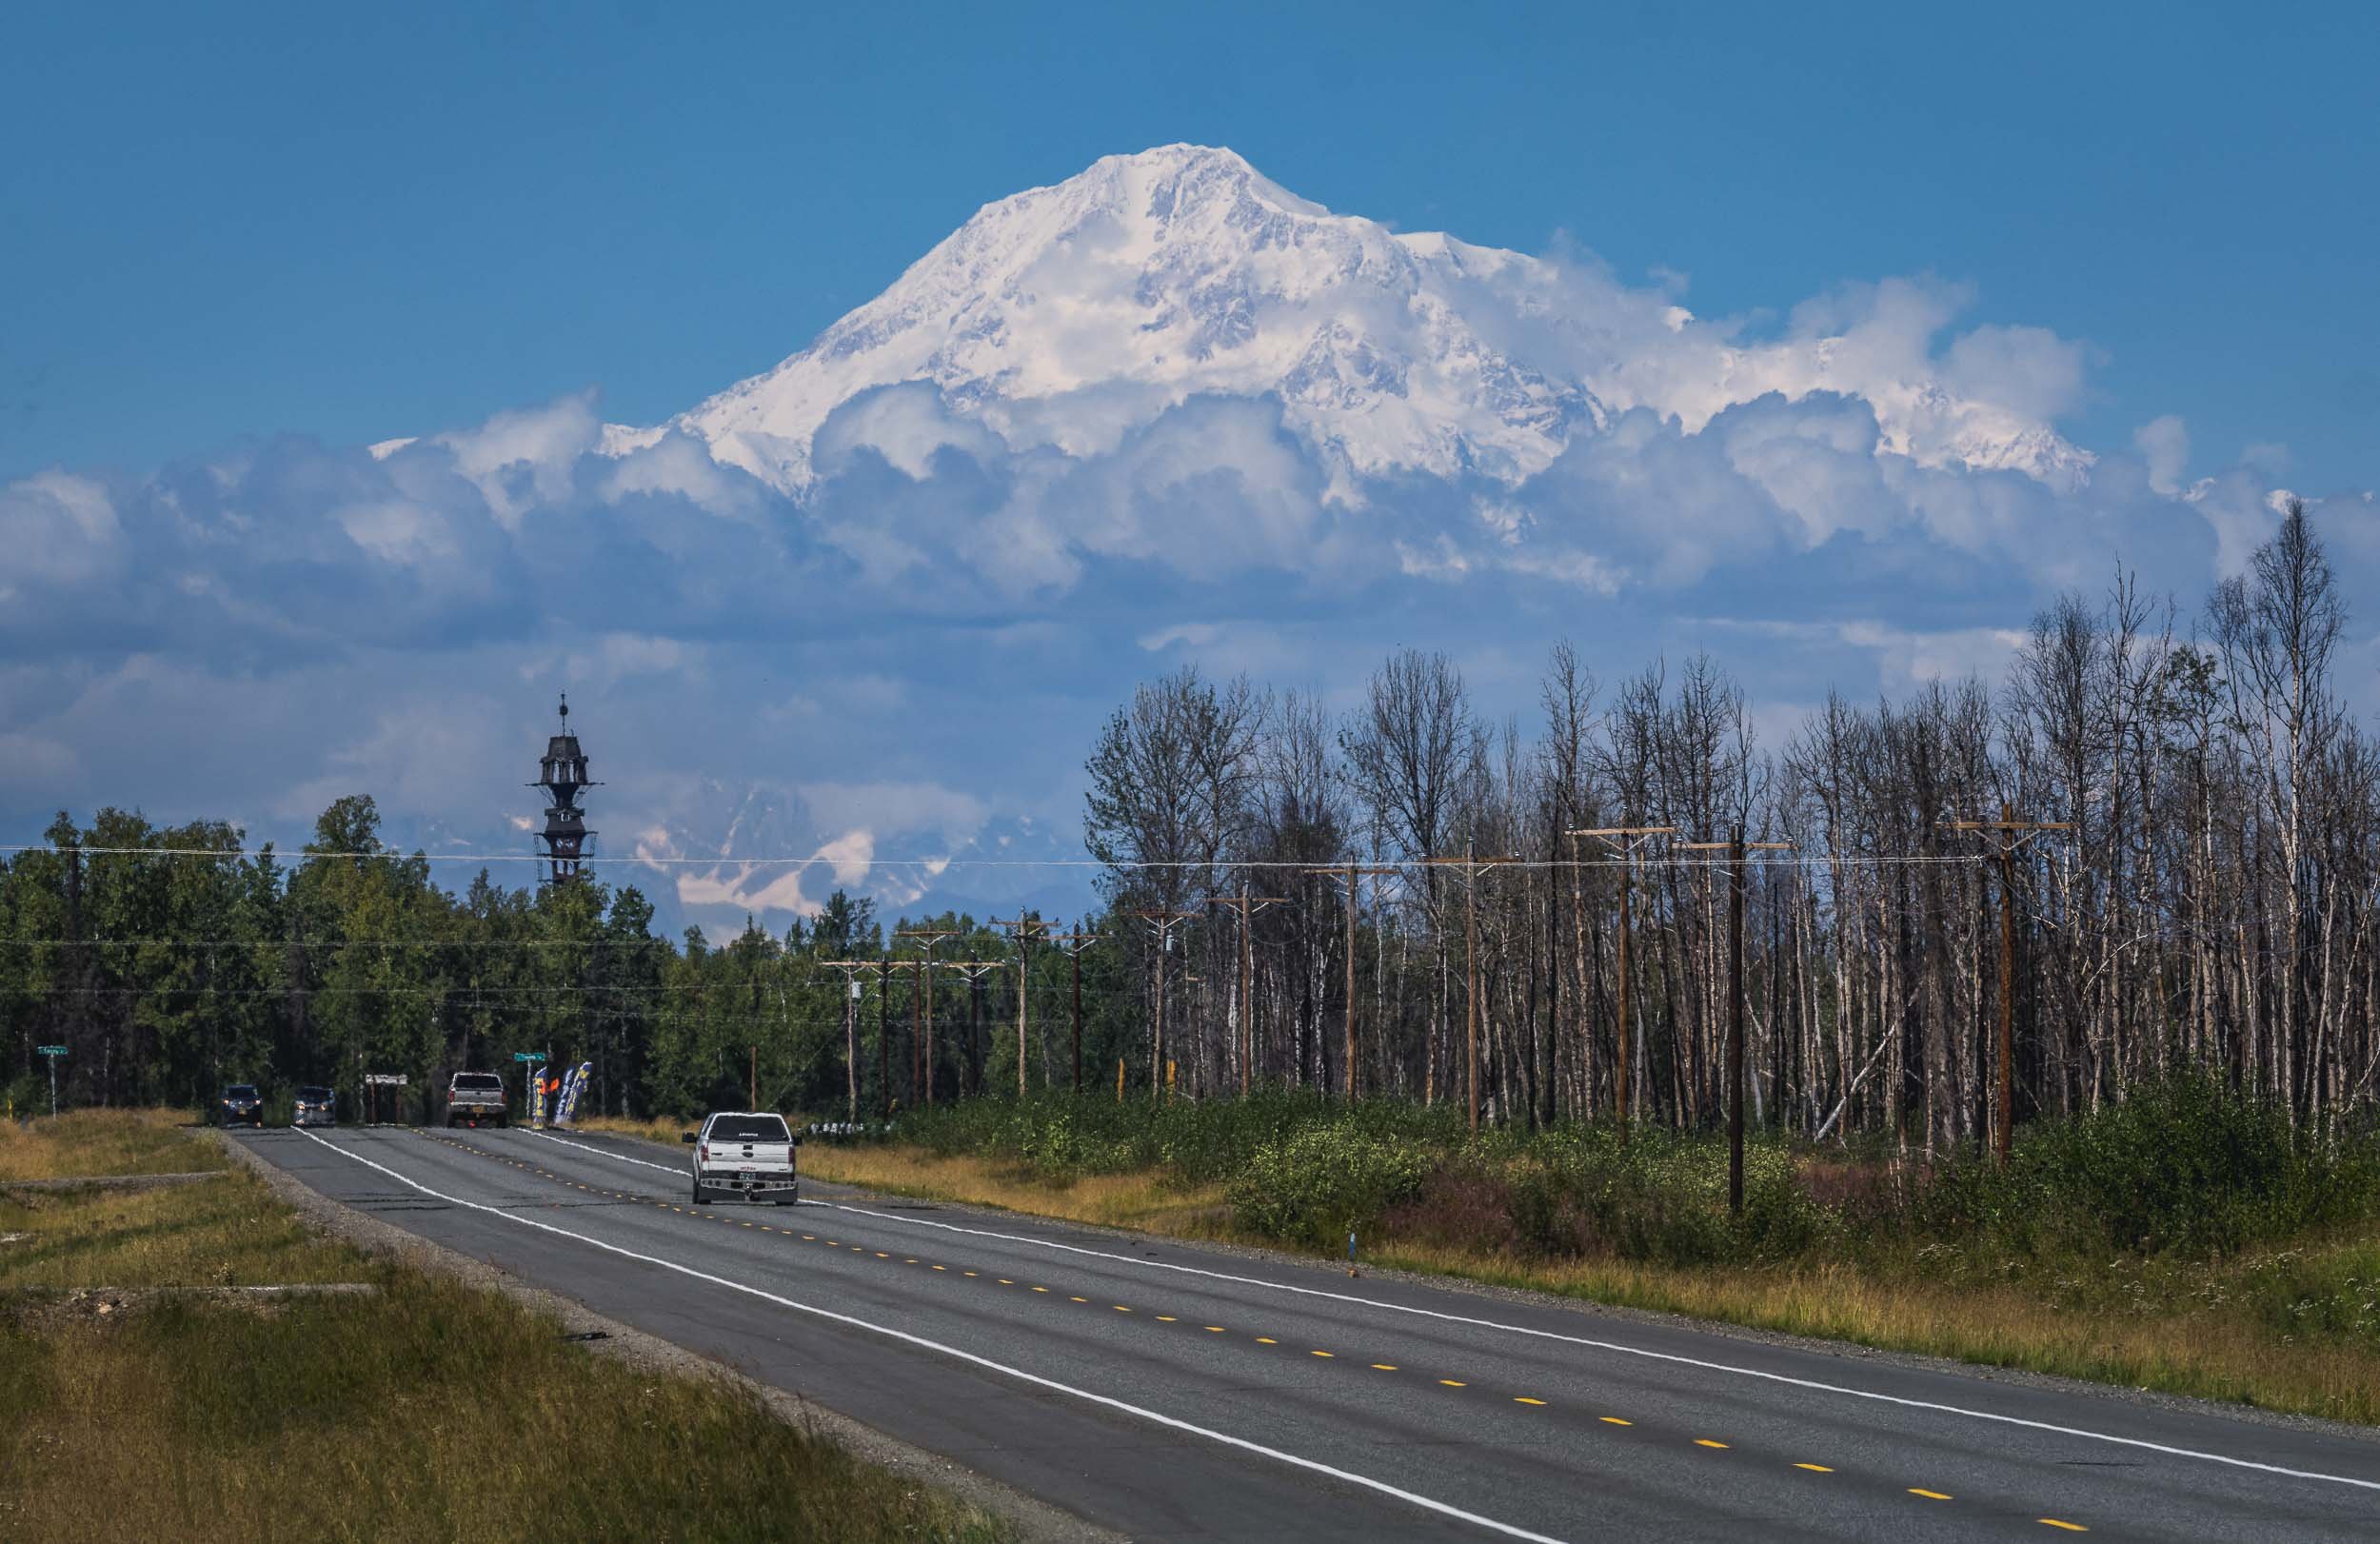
{"x":2212,"y":905}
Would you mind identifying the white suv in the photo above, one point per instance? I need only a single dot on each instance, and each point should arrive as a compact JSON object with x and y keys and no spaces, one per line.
{"x":744,"y":1153}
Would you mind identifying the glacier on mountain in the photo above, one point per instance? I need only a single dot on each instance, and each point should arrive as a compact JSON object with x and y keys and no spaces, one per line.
{"x":1065,"y":317}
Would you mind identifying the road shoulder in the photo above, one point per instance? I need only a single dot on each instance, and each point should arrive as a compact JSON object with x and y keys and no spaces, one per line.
{"x":1035,"y":1518}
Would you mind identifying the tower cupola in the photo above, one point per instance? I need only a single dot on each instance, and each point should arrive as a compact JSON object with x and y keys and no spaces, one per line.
{"x":562,"y":773}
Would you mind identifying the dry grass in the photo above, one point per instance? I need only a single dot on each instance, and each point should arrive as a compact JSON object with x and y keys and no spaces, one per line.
{"x":2195,"y":1330}
{"x":432,"y":1410}
{"x":1123,"y":1200}
{"x":2219,"y":1349}
{"x":656,"y":1130}
{"x":104,"y":1141}
{"x":216,"y":1233}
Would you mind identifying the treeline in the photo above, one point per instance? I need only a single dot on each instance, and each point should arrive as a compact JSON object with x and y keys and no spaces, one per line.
{"x":2212,"y":905}
{"x":169,"y":963}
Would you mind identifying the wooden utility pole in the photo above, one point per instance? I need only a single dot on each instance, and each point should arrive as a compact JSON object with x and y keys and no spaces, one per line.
{"x":1162,"y":924}
{"x":1021,"y":929}
{"x":850,"y":969}
{"x":1073,"y":944}
{"x":922,"y":1050}
{"x":1734,"y":847}
{"x":1354,"y":877}
{"x":855,"y":972}
{"x":1472,"y":867}
{"x":1248,"y":906}
{"x":1625,"y":839}
{"x":2008,"y":836}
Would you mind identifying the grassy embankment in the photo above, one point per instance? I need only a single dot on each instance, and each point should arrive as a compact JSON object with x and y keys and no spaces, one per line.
{"x":2188,"y":1242}
{"x":427,"y":1410}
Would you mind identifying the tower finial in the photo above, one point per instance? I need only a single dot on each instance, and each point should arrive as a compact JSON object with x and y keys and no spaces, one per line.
{"x":565,"y":710}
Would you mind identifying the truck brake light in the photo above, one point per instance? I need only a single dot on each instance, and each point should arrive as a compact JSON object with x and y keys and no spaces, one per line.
{"x":703,"y":1152}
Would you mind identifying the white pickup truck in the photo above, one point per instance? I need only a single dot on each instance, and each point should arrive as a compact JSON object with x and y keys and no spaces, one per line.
{"x":745,"y":1154}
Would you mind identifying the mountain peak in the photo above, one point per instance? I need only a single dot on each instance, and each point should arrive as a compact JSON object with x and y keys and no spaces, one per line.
{"x":1069,"y":316}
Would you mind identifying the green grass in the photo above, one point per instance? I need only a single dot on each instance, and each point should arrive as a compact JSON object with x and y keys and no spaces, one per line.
{"x":428,"y":1411}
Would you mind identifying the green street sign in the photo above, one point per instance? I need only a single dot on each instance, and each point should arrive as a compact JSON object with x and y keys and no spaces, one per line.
{"x":528,"y":1056}
{"x":50,"y":1050}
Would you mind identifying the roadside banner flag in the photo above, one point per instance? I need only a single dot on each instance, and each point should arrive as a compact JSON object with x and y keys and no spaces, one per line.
{"x":537,"y":1099}
{"x":573,"y":1086}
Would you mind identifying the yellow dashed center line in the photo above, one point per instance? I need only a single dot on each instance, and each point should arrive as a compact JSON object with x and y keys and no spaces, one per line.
{"x":1614,"y":1420}
{"x":1078,"y":1299}
{"x":1524,"y":1399}
{"x":1121,"y":1309}
{"x":1815,"y":1468}
{"x":908,"y":1262}
{"x":1261,"y":1340}
{"x":1385,"y":1367}
{"x":1706,"y":1442}
{"x":1003,"y":1280}
{"x":1215,"y":1329}
{"x":809,"y":1238}
{"x":941,"y":1267}
{"x":1164,"y":1318}
{"x":963,"y":1273}
{"x":1452,"y":1384}
{"x":881,"y":1256}
{"x":1040,"y":1289}
{"x":1319,"y":1354}
{"x":2070,"y":1527}
{"x":1931,"y":1495}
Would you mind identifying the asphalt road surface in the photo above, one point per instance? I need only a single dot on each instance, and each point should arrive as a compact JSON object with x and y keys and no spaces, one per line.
{"x":1171,"y":1393}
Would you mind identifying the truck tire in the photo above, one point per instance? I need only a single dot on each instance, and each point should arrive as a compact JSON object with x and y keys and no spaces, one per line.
{"x":698,"y":1193}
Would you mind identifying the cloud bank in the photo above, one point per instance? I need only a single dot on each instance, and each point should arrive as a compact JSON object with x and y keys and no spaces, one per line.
{"x":913,"y":650}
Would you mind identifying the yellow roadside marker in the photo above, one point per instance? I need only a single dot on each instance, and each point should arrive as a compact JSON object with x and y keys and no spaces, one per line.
{"x":1931,"y":1495}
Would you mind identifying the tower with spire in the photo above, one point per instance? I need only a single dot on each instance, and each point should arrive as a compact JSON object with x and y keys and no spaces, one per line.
{"x":562,"y":775}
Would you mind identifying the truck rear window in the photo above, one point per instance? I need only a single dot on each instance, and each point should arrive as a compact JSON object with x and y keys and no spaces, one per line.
{"x":749,"y":1128}
{"x":479,"y":1082}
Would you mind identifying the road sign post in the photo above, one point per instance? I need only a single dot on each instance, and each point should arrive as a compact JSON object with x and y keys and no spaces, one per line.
{"x":54,"y":1053}
{"x":537,"y":1061}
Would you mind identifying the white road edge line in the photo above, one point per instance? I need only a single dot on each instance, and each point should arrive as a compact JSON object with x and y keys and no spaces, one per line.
{"x":1242,"y":1443}
{"x":1576,"y":1340}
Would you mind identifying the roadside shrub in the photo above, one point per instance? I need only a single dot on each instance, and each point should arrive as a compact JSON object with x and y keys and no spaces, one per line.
{"x":1319,"y":1185}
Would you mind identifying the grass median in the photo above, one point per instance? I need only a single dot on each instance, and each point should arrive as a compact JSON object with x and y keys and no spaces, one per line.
{"x":421,"y":1409}
{"x":2190,"y":1243}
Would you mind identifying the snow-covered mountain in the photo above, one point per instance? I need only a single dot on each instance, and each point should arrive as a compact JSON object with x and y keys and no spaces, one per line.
{"x":1067,"y":316}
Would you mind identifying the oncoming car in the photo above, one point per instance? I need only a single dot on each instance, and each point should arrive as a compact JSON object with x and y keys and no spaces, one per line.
{"x":746,"y":1154}
{"x":316,"y":1106}
{"x":242,"y":1106}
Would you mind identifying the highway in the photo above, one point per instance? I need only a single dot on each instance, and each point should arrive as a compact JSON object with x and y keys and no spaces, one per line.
{"x":1167,"y":1392}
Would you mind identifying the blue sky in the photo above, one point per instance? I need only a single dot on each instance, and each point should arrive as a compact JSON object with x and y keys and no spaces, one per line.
{"x":238,"y":243}
{"x":229,"y":220}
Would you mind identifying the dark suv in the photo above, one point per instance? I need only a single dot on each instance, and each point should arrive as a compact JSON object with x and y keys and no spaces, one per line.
{"x":242,"y":1105}
{"x":316,"y":1106}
